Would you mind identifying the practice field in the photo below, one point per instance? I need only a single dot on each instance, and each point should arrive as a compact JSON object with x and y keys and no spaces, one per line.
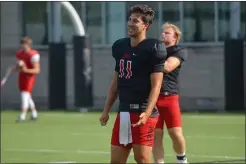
{"x":78,"y":137}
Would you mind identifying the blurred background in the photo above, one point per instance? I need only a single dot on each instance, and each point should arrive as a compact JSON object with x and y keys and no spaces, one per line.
{"x":205,"y":27}
{"x":76,"y":72}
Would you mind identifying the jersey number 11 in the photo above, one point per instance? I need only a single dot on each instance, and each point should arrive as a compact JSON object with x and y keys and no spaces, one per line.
{"x":128,"y":69}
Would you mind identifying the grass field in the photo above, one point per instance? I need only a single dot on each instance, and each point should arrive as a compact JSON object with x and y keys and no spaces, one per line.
{"x":78,"y":137}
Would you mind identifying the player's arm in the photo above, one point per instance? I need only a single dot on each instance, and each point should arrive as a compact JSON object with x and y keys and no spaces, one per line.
{"x":14,"y":68}
{"x":156,"y":82}
{"x":170,"y":64}
{"x":111,"y":97}
{"x":35,"y":65}
{"x":174,"y":61}
{"x":158,"y":58}
{"x":112,"y":93}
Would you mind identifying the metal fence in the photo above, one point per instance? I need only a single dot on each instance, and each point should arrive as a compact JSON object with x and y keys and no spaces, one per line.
{"x":201,"y":79}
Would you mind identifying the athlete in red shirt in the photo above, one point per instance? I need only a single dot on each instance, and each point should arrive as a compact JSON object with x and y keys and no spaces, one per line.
{"x":28,"y":67}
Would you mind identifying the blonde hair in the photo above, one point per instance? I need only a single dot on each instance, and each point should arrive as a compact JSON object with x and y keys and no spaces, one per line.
{"x":176,"y":30}
{"x":26,"y":40}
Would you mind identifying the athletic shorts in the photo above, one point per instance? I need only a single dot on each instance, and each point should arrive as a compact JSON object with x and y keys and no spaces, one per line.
{"x":169,"y":110}
{"x":141,"y":135}
{"x":26,"y":85}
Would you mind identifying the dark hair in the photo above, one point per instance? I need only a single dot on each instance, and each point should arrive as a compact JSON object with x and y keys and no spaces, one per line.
{"x":146,"y":13}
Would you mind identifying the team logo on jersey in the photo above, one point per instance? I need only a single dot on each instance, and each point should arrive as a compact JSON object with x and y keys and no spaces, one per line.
{"x":126,"y":56}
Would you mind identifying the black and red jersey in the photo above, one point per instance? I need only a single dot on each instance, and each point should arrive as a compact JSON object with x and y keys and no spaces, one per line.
{"x":170,"y":80}
{"x":134,"y":66}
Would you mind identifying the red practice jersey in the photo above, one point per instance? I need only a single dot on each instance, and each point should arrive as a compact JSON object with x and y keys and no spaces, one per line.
{"x":26,"y":81}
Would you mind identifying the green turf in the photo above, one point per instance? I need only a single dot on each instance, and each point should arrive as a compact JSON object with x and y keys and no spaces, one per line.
{"x":78,"y":137}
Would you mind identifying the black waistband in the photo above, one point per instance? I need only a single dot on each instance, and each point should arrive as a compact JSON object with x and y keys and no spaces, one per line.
{"x":135,"y":108}
{"x":167,"y":93}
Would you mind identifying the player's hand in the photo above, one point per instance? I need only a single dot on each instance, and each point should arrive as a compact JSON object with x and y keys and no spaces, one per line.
{"x":104,"y":118}
{"x":143,"y":119}
{"x":23,"y":69}
{"x":20,"y":63}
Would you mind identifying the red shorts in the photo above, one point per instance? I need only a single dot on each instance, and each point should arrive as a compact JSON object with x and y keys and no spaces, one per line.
{"x":26,"y":84}
{"x":169,"y":110}
{"x":142,"y":135}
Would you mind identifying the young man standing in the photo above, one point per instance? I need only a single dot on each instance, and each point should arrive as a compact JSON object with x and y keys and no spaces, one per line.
{"x":168,"y":101}
{"x":137,"y":81}
{"x":28,"y":67}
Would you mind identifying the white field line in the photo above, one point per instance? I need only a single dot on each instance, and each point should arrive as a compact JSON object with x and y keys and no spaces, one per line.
{"x":64,"y":162}
{"x":187,"y":116}
{"x":166,"y":136}
{"x":16,"y":160}
{"x":106,"y":134}
{"x":62,"y":115}
{"x":215,"y":117}
{"x":104,"y":152}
